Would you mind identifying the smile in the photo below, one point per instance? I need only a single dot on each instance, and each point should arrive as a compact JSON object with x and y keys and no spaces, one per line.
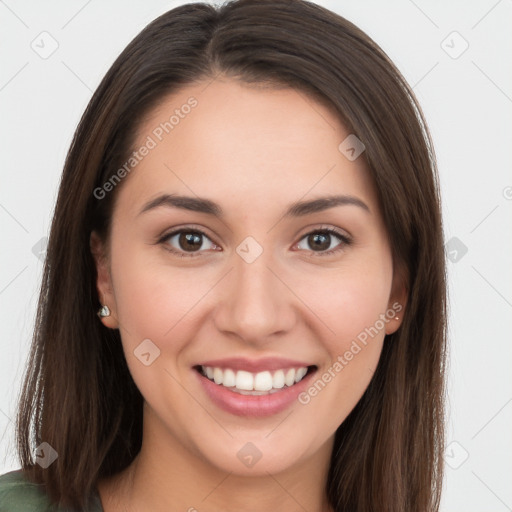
{"x":248,"y":383}
{"x":253,"y":393}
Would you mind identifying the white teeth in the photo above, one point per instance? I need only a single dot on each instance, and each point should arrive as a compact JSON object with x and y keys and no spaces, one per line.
{"x":278,"y":379}
{"x":260,"y":383}
{"x":299,"y":374}
{"x":218,"y":375}
{"x":263,"y":381}
{"x":244,"y":380}
{"x":289,"y":378}
{"x":229,"y":379}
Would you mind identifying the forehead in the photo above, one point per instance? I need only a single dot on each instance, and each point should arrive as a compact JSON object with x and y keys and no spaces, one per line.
{"x":224,"y":139}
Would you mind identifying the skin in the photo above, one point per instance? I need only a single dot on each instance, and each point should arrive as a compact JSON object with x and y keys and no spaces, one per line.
{"x":281,"y":146}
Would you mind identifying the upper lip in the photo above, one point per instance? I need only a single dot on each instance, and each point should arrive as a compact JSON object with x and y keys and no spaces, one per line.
{"x":255,"y":365}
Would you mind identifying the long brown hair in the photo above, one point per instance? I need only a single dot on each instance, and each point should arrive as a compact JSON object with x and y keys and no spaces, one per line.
{"x":78,"y":394}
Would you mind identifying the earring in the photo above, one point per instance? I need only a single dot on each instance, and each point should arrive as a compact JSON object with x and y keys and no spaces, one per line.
{"x":397,"y":318}
{"x":103,"y":312}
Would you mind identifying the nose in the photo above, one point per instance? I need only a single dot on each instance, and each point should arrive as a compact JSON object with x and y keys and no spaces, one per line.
{"x":255,"y":304}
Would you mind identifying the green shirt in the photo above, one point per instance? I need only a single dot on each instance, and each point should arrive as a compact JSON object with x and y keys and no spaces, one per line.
{"x":17,"y":494}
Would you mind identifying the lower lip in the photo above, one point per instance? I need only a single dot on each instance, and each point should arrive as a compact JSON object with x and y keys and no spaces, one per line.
{"x":254,"y":406}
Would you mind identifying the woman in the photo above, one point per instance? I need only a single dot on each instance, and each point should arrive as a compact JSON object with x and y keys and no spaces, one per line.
{"x":243,"y":301}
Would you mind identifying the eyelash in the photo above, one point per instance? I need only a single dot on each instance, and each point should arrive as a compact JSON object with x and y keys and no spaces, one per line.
{"x":345,"y":241}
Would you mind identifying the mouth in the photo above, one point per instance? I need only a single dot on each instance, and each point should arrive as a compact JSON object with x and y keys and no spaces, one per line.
{"x":254,"y":393}
{"x":255,"y":384}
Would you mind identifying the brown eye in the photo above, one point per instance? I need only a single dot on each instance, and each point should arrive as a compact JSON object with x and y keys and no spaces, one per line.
{"x":187,"y":242}
{"x":190,"y":241}
{"x":321,"y":242}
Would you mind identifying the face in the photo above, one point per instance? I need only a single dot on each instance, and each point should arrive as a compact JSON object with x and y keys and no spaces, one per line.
{"x":248,"y":290}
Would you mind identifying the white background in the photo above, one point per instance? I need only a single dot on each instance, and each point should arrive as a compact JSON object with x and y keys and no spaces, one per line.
{"x":468,"y":104}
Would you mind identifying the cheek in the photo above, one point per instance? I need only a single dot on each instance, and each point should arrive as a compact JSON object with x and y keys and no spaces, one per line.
{"x":153,"y":300}
{"x":351,"y":301}
{"x":153,"y":303}
{"x":353,"y":304}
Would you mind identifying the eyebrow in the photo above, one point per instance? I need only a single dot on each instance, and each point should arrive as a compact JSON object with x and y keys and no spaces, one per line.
{"x":297,"y":209}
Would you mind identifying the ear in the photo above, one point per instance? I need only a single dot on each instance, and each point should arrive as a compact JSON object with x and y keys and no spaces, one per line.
{"x":103,"y":280}
{"x":397,"y":300}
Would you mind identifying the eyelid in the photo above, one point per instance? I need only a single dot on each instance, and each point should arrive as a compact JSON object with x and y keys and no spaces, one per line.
{"x":343,"y":233}
{"x":187,"y":227}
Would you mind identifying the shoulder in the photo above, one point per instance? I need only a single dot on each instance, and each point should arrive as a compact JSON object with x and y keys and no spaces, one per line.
{"x":17,"y":494}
